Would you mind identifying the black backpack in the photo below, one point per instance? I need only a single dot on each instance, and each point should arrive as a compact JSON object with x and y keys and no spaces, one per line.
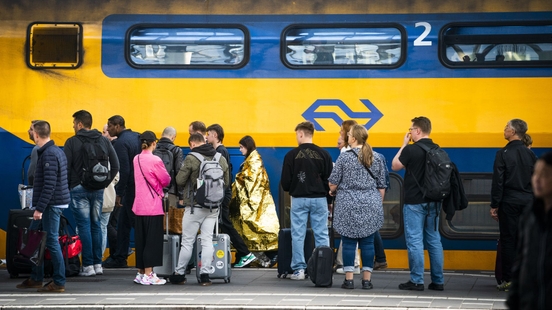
{"x":95,"y":164}
{"x":438,"y":170}
{"x":167,"y":156}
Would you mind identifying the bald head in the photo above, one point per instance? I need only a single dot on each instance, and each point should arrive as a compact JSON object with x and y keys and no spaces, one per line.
{"x":169,"y":133}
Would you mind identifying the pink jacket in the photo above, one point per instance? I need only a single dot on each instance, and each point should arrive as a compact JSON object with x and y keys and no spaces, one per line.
{"x":148,"y":200}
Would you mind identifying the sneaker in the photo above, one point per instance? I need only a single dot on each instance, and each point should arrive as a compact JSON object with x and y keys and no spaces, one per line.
{"x":152,"y":279}
{"x":98,"y":269}
{"x":138,"y":278}
{"x":411,"y":286}
{"x":87,"y":271}
{"x":436,"y":287}
{"x":367,"y":285}
{"x":30,"y":283}
{"x":348,"y":284}
{"x":379,"y":266}
{"x":504,"y":286}
{"x":112,"y":263}
{"x":298,"y":275}
{"x":176,"y":278}
{"x":51,"y":287}
{"x":341,"y":271}
{"x":245,"y":260}
{"x":204,"y":279}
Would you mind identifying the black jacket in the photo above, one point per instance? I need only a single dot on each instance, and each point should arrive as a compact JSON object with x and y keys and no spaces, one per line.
{"x":73,"y":152}
{"x":457,"y":199}
{"x":513,"y":167}
{"x":178,"y":158}
{"x":532,"y":271}
{"x":228,"y":193}
{"x":50,"y":181}
{"x":127,"y":146}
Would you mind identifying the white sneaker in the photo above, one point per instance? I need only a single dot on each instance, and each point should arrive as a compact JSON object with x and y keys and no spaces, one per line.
{"x":87,"y":271}
{"x":341,"y":271}
{"x":298,"y":275}
{"x":138,"y":278}
{"x":152,"y":279}
{"x":98,"y":269}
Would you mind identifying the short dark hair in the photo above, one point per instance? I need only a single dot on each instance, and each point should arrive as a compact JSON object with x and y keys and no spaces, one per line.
{"x":196,"y":137}
{"x":249,"y":144}
{"x":218,"y":130}
{"x":423,"y":123}
{"x":42,"y":129}
{"x":519,"y":126}
{"x":306,"y":127}
{"x":117,"y":120}
{"x":198,"y":126}
{"x":84,"y":117}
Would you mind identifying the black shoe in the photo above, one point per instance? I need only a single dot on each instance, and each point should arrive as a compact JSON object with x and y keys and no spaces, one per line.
{"x":189,"y":269}
{"x":112,"y":263}
{"x":367,"y":285}
{"x":411,"y":286}
{"x":176,"y":278}
{"x":348,"y":284}
{"x":204,"y":279}
{"x":436,"y":287}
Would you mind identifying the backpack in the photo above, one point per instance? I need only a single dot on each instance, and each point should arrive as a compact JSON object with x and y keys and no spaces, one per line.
{"x":210,"y":183}
{"x":167,"y":156}
{"x":95,"y":164}
{"x":438,"y":170}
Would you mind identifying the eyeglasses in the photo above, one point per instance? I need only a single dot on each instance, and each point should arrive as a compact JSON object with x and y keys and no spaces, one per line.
{"x":412,"y":128}
{"x":349,"y":134}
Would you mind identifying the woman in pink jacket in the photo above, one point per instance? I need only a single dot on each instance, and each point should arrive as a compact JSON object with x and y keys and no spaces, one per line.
{"x":150,"y":177}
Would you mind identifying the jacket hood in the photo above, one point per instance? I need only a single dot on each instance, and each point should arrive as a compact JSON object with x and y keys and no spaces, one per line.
{"x":205,"y":149}
{"x":91,"y":134}
{"x":164,"y":140}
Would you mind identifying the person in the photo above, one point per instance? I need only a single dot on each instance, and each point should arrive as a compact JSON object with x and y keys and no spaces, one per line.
{"x":34,"y":156}
{"x":86,"y":203}
{"x":150,"y":177}
{"x":252,"y":207}
{"x":127,"y":146}
{"x":531,"y":274}
{"x":345,"y":127}
{"x":195,"y":217}
{"x":108,"y":219}
{"x":197,"y":126}
{"x":305,"y":173}
{"x":511,"y":192}
{"x":50,"y":197}
{"x":358,"y":182}
{"x":420,"y":214}
{"x":167,"y":141}
{"x":527,"y":141}
{"x":340,"y":142}
{"x":215,"y":136}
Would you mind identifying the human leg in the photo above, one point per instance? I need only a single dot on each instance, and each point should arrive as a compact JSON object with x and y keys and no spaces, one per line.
{"x":190,"y":226}
{"x":318,"y":209}
{"x":96,"y":202}
{"x":298,"y":215}
{"x":50,"y":224}
{"x":414,"y":219}
{"x":432,"y":239}
{"x":112,"y":230}
{"x":206,"y":236}
{"x":104,"y":220}
{"x":227,"y":227}
{"x":81,"y":208}
{"x":508,"y":218}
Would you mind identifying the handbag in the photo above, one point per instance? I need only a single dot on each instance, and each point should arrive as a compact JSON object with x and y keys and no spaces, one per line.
{"x":31,"y":245}
{"x":175,"y":220}
{"x":71,"y":246}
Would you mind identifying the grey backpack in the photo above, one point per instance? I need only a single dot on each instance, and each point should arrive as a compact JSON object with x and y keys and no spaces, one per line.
{"x":210,"y":183}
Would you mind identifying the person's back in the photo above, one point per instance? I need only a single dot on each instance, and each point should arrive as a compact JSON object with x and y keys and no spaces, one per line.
{"x":167,"y":143}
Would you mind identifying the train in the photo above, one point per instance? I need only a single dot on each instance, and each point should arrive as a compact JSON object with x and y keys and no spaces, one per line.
{"x":261,"y":67}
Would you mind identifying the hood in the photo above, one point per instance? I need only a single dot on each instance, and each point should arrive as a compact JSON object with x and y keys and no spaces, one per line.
{"x":164,"y":140}
{"x":206,"y":150}
{"x":91,"y":134}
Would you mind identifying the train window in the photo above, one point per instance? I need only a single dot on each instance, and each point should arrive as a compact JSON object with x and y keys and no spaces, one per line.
{"x":344,"y":47}
{"x":465,"y":46}
{"x":474,"y":222}
{"x":186,"y":47}
{"x":56,"y":45}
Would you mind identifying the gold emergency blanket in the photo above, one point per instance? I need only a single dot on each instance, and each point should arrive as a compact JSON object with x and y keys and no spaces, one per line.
{"x":252,"y":208}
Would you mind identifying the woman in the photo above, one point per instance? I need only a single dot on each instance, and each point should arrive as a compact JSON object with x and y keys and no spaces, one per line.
{"x":252,"y":208}
{"x":345,"y":127}
{"x":150,"y":177}
{"x":358,"y":182}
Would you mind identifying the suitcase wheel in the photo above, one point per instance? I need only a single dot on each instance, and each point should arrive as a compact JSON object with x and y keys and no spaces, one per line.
{"x":14,"y":275}
{"x":226,"y":280}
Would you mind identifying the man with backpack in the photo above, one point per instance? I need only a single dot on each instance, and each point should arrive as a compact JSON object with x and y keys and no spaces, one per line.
{"x":425,"y":185}
{"x":172,"y":158}
{"x":91,"y":165}
{"x":204,"y":176}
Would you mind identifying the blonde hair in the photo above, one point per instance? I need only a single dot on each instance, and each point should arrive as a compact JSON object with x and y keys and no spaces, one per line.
{"x":365,"y":156}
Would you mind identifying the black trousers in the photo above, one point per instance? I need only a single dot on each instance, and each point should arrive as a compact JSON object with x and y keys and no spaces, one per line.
{"x":112,"y":230}
{"x":126,"y":223}
{"x":508,"y":222}
{"x":148,"y":234}
{"x":227,"y":228}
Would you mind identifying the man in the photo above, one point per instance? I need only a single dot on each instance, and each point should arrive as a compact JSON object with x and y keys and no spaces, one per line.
{"x":195,"y":216}
{"x":127,"y":146}
{"x":511,"y":192}
{"x":50,"y":197}
{"x":197,"y":126}
{"x":215,"y":136}
{"x":34,"y":156}
{"x":305,"y":175}
{"x":420,"y":213}
{"x":167,"y":142}
{"x":109,"y":218}
{"x":86,"y":201}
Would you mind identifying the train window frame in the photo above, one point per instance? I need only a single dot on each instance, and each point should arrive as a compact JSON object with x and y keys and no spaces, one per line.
{"x":448,"y":228}
{"x":510,"y":39}
{"x":399,"y":63}
{"x":72,"y":33}
{"x":242,"y":63}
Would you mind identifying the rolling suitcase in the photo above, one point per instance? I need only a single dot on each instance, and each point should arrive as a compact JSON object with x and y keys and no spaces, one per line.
{"x":171,"y":250}
{"x":320,"y":266}
{"x":17,"y":218}
{"x":284,"y":250}
{"x":221,"y":257}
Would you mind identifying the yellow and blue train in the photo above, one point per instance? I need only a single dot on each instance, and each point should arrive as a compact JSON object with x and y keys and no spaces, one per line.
{"x":260,"y":67}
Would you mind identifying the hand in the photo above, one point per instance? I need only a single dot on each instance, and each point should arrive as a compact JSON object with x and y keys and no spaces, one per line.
{"x":407,"y":139}
{"x":37,"y":215}
{"x":494,"y":214}
{"x":118,"y":202}
{"x":332,"y":193}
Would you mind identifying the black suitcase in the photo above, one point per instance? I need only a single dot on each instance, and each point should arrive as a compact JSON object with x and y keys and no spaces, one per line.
{"x":284,"y":250}
{"x":17,"y":218}
{"x":320,"y":266}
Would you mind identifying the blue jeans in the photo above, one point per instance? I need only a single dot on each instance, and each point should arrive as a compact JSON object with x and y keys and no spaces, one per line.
{"x":104,"y":220}
{"x":50,"y":224}
{"x":87,"y":208}
{"x":366,"y":246}
{"x":300,"y":210}
{"x":378,"y":246}
{"x":420,"y":227}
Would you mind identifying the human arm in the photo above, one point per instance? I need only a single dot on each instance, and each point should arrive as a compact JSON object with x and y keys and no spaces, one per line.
{"x":113,"y":159}
{"x":396,"y":164}
{"x":287,"y":171}
{"x":124,"y":168}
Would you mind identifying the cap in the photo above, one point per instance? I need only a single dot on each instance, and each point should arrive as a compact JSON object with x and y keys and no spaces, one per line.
{"x":148,"y":136}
